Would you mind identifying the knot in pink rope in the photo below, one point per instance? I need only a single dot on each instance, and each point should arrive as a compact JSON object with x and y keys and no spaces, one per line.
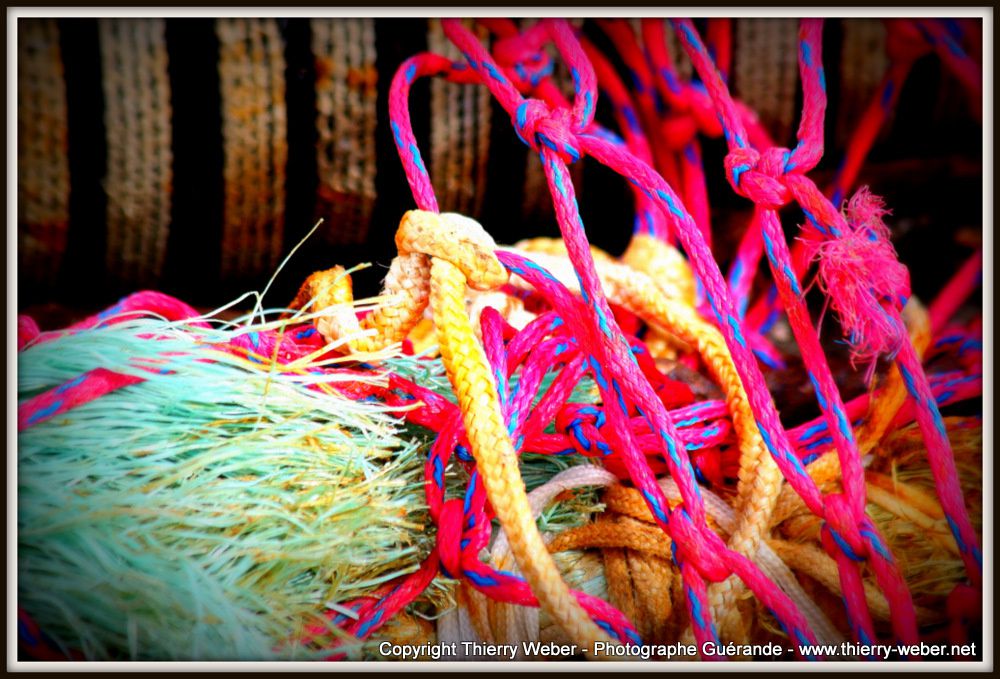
{"x":760,"y":176}
{"x":841,"y":528}
{"x":540,"y":126}
{"x":582,"y":425}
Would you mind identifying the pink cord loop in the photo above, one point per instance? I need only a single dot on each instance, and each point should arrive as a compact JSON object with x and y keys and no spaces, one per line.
{"x":759,"y":176}
{"x":523,"y":58}
{"x":540,"y":126}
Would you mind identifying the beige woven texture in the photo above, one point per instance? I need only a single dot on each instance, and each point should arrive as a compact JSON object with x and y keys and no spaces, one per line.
{"x":766,"y":72}
{"x":42,"y":145}
{"x":252,"y":77}
{"x":346,"y":94}
{"x":460,"y":132}
{"x":137,"y":117}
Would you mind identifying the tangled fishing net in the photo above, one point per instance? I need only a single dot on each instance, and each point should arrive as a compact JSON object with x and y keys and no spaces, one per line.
{"x":534,"y":443}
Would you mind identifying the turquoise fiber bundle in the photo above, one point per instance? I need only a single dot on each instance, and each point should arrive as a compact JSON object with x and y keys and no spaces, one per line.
{"x":212,"y":510}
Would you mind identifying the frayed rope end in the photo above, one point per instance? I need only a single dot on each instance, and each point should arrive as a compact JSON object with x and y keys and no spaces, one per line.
{"x":867,"y":284}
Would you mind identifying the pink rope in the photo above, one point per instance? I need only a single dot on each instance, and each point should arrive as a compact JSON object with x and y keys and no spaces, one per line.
{"x":557,"y":136}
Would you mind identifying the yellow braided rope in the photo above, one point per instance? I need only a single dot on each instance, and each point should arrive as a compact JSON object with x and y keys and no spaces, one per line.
{"x":461,"y":254}
{"x":665,"y":299}
{"x":439,"y":255}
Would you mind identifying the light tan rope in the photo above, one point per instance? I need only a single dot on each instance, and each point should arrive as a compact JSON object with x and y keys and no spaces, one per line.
{"x":137,"y":119}
{"x":252,"y":80}
{"x":460,"y":132}
{"x":766,"y":74}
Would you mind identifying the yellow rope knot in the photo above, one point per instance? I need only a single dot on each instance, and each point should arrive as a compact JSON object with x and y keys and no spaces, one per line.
{"x":421,"y":236}
{"x":457,"y":239}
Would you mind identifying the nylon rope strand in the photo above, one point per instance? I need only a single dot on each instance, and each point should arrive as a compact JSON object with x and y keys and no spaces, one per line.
{"x":692,"y":112}
{"x":463,"y":525}
{"x":878,"y":543}
{"x":758,"y":177}
{"x":905,"y":44}
{"x":528,"y":547}
{"x":759,"y":477}
{"x":757,"y":481}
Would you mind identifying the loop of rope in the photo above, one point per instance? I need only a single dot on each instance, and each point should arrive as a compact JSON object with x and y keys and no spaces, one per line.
{"x":905,"y":43}
{"x":844,"y":514}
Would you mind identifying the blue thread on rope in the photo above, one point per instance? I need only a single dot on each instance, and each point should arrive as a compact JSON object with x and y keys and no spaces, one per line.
{"x":51,"y":409}
{"x":846,"y":548}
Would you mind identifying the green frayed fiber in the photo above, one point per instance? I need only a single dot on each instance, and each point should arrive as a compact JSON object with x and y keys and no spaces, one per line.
{"x":209,"y":513}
